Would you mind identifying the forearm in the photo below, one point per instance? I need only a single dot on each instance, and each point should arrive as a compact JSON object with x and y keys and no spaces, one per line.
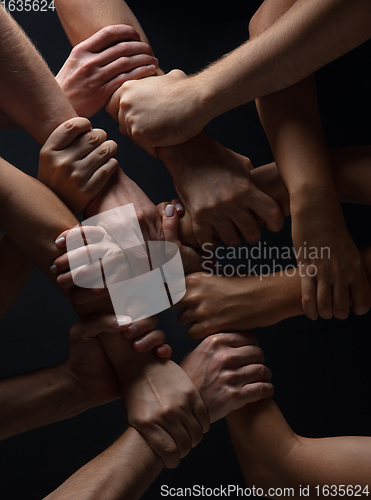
{"x":110,"y":475}
{"x":308,"y":36}
{"x":38,"y":399}
{"x":15,"y":269}
{"x":29,"y":94}
{"x":271,"y":455}
{"x":78,"y":26}
{"x":352,"y":175}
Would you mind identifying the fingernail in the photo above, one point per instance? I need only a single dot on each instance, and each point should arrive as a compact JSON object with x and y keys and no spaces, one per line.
{"x":131,"y":332}
{"x":179,"y":207}
{"x":54,"y":269}
{"x":169,"y":211}
{"x":152,"y":67}
{"x":60,"y":242}
{"x":123,"y":320}
{"x":141,"y":344}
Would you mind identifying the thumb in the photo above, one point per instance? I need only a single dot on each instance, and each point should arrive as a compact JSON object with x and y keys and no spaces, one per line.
{"x":170,"y":224}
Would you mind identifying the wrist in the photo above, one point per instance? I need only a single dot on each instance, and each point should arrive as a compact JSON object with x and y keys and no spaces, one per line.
{"x":78,"y":398}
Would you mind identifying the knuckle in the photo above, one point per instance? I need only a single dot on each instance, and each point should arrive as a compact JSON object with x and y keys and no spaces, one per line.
{"x":93,"y":138}
{"x":170,"y":449}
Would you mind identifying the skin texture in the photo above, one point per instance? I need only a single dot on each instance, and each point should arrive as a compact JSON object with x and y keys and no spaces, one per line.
{"x":22,"y":196}
{"x":98,"y":66}
{"x":213,"y":303}
{"x":205,"y":173}
{"x":291,"y":117}
{"x":228,"y":372}
{"x":184,"y":105}
{"x":86,"y":379}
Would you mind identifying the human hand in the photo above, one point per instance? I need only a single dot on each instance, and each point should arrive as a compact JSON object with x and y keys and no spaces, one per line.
{"x":163,"y":404}
{"x":121,"y":190}
{"x":92,"y":250}
{"x":158,"y":111}
{"x":217,"y":189}
{"x":76,"y":162}
{"x":173,"y":217}
{"x":332,"y":272}
{"x":87,"y":362}
{"x":228,"y":370}
{"x":97,"y":67}
{"x":215,"y":304}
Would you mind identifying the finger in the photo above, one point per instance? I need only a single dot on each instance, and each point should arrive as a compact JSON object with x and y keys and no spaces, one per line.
{"x":81,"y":256}
{"x":87,"y":143}
{"x":341,"y":300}
{"x":325,"y":299}
{"x":136,"y":74}
{"x":201,"y":330}
{"x":141,"y":327}
{"x":89,"y":276}
{"x":267,"y":209}
{"x":246,"y":222}
{"x":125,"y":57}
{"x":203,"y":232}
{"x":90,"y":234}
{"x":98,"y":157}
{"x":246,"y":355}
{"x":309,"y":296}
{"x":80,"y":296}
{"x":163,"y":352}
{"x":149,"y":341}
{"x":136,"y":306}
{"x":124,"y":51}
{"x":176,"y":429}
{"x":179,"y":207}
{"x":170,"y":224}
{"x":64,"y":135}
{"x":251,"y":393}
{"x":227,"y":231}
{"x":193,"y":427}
{"x":93,"y":325}
{"x":161,"y":208}
{"x":109,"y":36}
{"x":240,"y":339}
{"x":162,"y":444}
{"x":253,"y":373}
{"x":101,"y":176}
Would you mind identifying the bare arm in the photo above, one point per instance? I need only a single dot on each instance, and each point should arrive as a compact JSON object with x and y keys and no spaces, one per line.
{"x":15,"y":270}
{"x":271,"y":455}
{"x":308,"y":36}
{"x":128,"y":467}
{"x":225,"y":210}
{"x":29,"y":94}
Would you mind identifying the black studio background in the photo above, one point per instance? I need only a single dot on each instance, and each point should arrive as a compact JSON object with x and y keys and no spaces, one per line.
{"x":321,"y":369}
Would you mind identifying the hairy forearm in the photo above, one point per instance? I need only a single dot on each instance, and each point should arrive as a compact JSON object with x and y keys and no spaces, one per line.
{"x":15,"y":270}
{"x":38,"y":399}
{"x":110,"y":475}
{"x":308,"y":36}
{"x":29,"y":94}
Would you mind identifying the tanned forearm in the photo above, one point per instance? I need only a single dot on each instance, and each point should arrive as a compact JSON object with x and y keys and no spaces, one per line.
{"x":125,"y":470}
{"x":101,"y":14}
{"x":38,"y":399}
{"x":271,"y":455}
